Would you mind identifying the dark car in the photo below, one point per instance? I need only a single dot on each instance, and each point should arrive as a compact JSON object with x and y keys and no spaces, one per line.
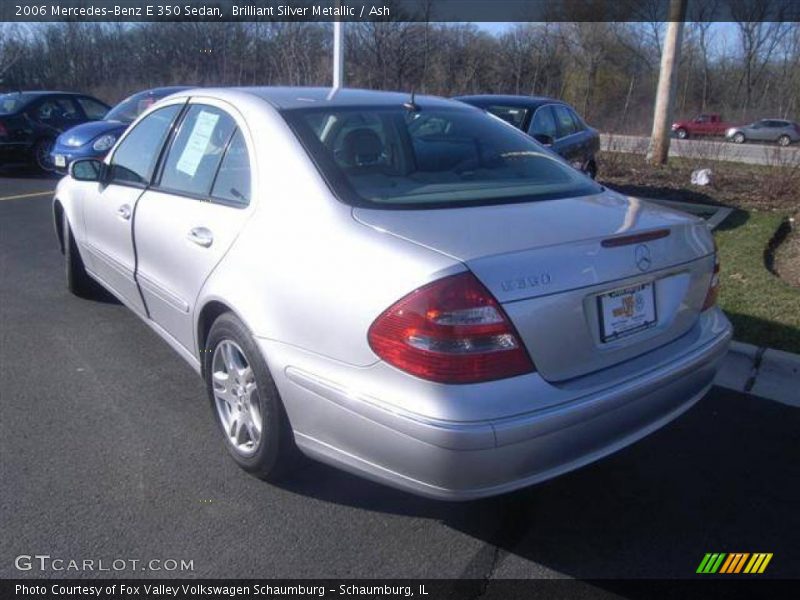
{"x":31,"y":121}
{"x":552,"y":122}
{"x":94,"y":140}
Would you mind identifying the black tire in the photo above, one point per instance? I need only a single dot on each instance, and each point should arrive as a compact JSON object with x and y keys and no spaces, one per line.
{"x":41,"y":155}
{"x":79,"y":282}
{"x":276,"y":455}
{"x":738,"y":138}
{"x":591,"y":169}
{"x":784,"y":140}
{"x":682,"y":133}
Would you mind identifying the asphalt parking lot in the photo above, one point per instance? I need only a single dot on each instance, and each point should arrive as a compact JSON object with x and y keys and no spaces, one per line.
{"x":108,"y":450}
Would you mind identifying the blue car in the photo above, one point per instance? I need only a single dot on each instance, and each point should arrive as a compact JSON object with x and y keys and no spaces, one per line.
{"x":95,"y":139}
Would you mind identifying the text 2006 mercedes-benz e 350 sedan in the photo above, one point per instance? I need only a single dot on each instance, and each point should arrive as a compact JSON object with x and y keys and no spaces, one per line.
{"x":406,"y":288}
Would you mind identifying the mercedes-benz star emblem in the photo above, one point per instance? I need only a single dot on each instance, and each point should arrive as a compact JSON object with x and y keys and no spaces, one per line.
{"x":643,"y":259}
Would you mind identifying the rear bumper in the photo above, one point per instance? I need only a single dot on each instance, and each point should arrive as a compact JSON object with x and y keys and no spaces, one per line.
{"x":467,"y":460}
{"x":14,"y":152}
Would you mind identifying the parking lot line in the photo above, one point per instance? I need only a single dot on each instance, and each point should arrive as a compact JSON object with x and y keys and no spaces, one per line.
{"x":33,"y":195}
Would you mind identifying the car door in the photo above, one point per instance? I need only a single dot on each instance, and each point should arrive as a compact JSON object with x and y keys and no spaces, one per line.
{"x":187,"y":222}
{"x":758,"y":131}
{"x":109,"y":210}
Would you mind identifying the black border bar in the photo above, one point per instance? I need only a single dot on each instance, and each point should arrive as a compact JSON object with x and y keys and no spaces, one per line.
{"x":392,"y":10}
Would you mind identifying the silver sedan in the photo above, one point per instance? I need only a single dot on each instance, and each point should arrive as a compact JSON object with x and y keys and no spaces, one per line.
{"x":405,"y":288}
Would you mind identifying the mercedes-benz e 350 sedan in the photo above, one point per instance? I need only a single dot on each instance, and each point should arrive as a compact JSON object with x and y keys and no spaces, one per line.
{"x":406,"y":288}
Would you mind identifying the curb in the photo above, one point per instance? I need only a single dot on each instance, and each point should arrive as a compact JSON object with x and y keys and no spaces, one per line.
{"x":764,"y":372}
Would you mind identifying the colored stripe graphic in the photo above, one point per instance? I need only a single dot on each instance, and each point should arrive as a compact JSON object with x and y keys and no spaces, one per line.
{"x":720,"y":562}
{"x":711,"y":563}
{"x":727,"y":564}
{"x":758,"y":563}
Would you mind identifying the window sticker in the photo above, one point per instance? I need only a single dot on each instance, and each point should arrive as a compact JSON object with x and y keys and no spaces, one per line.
{"x":197,"y":143}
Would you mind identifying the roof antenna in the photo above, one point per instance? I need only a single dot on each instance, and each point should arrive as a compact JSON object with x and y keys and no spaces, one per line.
{"x":411,"y":105}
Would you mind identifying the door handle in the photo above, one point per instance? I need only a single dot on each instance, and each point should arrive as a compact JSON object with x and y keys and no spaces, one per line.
{"x":124,"y":212}
{"x":201,"y":236}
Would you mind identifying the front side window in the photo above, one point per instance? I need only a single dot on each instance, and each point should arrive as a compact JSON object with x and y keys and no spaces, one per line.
{"x":544,"y":123}
{"x":435,"y":157}
{"x":56,"y":110}
{"x":196,"y":153}
{"x":136,"y":156}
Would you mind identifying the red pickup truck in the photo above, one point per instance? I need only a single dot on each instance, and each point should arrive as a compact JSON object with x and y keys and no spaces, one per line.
{"x":705,"y":124}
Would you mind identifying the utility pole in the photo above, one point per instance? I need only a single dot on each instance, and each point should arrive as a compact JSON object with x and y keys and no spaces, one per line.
{"x":658,"y":151}
{"x":338,"y":54}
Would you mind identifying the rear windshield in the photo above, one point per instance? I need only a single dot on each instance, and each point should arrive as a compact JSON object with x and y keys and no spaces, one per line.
{"x":11,"y":103}
{"x":130,"y":108}
{"x":393,"y":157}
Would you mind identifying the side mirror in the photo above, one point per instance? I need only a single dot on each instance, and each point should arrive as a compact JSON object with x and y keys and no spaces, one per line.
{"x":544,"y":139}
{"x":87,"y":169}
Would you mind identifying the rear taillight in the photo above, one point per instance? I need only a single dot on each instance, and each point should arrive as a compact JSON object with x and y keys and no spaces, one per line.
{"x":450,"y":331}
{"x":713,"y":288}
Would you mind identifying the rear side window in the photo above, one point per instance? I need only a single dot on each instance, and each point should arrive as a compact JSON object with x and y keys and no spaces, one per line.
{"x":136,"y":156}
{"x":579,"y":124}
{"x":196,"y":153}
{"x":544,"y":123}
{"x":11,"y":103}
{"x":93,"y":109}
{"x":232,"y":184}
{"x":564,"y":121}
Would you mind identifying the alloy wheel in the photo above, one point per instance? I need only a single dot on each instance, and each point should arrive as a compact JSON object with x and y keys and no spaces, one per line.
{"x":236,"y":398}
{"x":42,"y":155}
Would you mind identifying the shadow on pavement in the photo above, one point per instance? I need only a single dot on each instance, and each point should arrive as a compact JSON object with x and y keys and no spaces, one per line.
{"x":723,"y":478}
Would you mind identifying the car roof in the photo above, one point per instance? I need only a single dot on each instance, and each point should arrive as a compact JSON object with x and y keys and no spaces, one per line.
{"x":508,"y":100}
{"x":290,"y":98}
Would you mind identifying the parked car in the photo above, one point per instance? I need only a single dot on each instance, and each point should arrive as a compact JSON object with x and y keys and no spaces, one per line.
{"x":93,"y":140}
{"x":766,"y":130}
{"x":31,"y":121}
{"x":552,"y":122}
{"x":405,"y":288}
{"x":706,"y":124}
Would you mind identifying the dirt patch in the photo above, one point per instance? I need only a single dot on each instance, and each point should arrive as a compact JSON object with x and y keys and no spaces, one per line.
{"x":774,"y":187}
{"x":787,"y":255}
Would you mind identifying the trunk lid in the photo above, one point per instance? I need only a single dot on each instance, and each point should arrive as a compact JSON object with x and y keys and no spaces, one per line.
{"x":552,"y":263}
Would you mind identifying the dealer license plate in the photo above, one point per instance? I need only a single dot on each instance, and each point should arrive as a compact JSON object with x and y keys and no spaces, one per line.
{"x":627,"y":311}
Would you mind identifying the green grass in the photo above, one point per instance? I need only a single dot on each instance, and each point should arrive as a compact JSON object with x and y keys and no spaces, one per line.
{"x":764,"y":310}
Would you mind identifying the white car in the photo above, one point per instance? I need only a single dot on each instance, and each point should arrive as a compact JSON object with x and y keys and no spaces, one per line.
{"x":406,"y":288}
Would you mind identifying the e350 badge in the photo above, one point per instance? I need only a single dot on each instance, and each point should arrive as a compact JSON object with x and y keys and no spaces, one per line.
{"x":525,"y":283}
